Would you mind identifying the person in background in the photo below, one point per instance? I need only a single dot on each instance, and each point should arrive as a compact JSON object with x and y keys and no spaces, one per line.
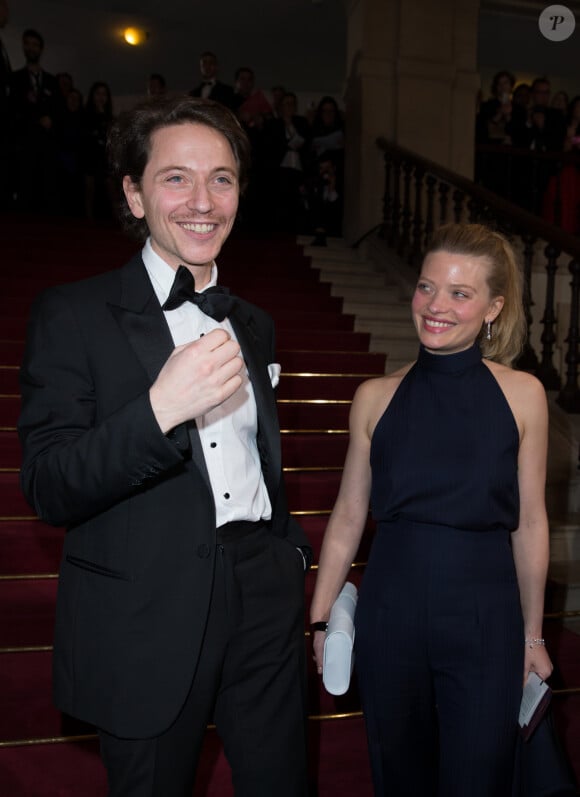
{"x":156,"y":85}
{"x":286,"y":144}
{"x":451,"y":453}
{"x":33,"y":93}
{"x":98,"y":118}
{"x":495,"y":113}
{"x":8,"y":181}
{"x":325,"y":201}
{"x":210,"y":87}
{"x":327,"y":128}
{"x":69,"y":136}
{"x":250,"y":103}
{"x":149,"y":429}
{"x":560,"y":102}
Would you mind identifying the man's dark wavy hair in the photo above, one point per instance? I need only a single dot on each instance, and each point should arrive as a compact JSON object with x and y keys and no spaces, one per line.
{"x":129,"y":143}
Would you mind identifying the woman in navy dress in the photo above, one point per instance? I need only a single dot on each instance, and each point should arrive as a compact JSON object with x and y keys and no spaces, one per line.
{"x":451,"y":453}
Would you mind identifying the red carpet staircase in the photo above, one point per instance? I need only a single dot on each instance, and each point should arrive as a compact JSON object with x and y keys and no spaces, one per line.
{"x":45,"y":754}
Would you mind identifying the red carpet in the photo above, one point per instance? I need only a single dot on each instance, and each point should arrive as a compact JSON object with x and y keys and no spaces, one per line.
{"x":46,"y":754}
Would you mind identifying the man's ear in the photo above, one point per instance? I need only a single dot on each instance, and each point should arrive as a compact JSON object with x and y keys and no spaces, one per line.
{"x":133,"y":196}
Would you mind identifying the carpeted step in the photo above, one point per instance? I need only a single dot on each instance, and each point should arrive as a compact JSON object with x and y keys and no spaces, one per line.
{"x":317,"y":339}
{"x":26,"y":710}
{"x":308,"y":490}
{"x":27,"y":612}
{"x":335,"y":362}
{"x":10,"y":453}
{"x":9,"y":379}
{"x":312,"y":449}
{"x":9,"y":410}
{"x":12,"y":503}
{"x":315,"y":386}
{"x":299,"y":415}
{"x":29,"y":547}
{"x":11,"y":350}
{"x":294,"y":318}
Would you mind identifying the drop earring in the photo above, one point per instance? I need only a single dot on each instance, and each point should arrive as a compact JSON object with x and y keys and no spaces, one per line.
{"x":488,"y":333}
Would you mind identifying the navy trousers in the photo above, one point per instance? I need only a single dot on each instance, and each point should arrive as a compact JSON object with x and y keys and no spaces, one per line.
{"x":439,"y":655}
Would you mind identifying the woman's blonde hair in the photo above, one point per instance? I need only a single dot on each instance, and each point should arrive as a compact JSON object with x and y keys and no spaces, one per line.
{"x":504,"y":278}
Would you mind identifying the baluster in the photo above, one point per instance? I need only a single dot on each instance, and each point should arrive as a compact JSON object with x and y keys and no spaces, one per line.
{"x":546,"y":371}
{"x":558,"y":196}
{"x":396,"y":215}
{"x":458,"y":197}
{"x":387,"y":225}
{"x":528,"y":360}
{"x":569,"y":397}
{"x":443,"y":201}
{"x":474,"y":209}
{"x":417,"y":254}
{"x":405,"y":242}
{"x":431,"y":183}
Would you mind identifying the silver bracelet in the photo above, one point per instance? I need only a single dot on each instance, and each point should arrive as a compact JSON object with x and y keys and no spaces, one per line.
{"x":533,"y":642}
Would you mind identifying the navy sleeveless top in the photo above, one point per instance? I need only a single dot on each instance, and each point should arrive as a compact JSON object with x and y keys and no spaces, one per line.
{"x":445,"y":450}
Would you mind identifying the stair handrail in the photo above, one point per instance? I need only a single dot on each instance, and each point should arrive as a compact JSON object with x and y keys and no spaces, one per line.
{"x":529,"y":222}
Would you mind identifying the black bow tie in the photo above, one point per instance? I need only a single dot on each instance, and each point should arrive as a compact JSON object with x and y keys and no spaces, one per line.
{"x":215,"y":302}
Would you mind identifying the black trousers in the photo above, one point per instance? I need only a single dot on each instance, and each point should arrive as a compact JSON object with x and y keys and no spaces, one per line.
{"x":250,"y":679}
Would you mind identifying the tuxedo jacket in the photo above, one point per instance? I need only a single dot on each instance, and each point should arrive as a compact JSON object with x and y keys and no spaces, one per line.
{"x":26,"y":112}
{"x":138,"y":555}
{"x":220,"y":92}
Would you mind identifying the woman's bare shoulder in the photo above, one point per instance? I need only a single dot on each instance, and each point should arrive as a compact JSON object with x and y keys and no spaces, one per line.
{"x":373,"y":396}
{"x":524,"y":392}
{"x":517,"y":382}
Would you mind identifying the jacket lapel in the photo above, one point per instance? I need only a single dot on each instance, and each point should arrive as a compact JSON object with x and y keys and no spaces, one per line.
{"x":141,"y":319}
{"x":268,"y":431}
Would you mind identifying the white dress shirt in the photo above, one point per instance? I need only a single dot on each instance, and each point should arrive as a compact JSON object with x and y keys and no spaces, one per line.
{"x":228,"y":432}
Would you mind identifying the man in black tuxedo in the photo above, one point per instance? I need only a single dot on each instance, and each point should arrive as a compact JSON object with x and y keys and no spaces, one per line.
{"x":6,"y":134}
{"x":149,"y":429}
{"x":33,"y":93}
{"x":210,"y":87}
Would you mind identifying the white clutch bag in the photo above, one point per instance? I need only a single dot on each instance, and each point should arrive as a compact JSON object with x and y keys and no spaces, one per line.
{"x":338,"y":658}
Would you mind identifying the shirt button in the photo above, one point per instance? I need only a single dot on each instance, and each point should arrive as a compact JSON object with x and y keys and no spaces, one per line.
{"x":203,"y":551}
{"x":226,"y":496}
{"x":212,"y":445}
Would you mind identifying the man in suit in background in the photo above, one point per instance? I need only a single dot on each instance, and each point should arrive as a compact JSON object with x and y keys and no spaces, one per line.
{"x":6,"y":143}
{"x":149,"y":429}
{"x":33,"y":93}
{"x":210,"y":87}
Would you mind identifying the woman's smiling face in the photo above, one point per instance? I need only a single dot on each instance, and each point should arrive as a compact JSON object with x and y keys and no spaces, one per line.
{"x":452,"y":301}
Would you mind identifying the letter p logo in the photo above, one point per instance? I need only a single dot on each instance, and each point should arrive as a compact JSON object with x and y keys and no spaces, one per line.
{"x":556,"y":23}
